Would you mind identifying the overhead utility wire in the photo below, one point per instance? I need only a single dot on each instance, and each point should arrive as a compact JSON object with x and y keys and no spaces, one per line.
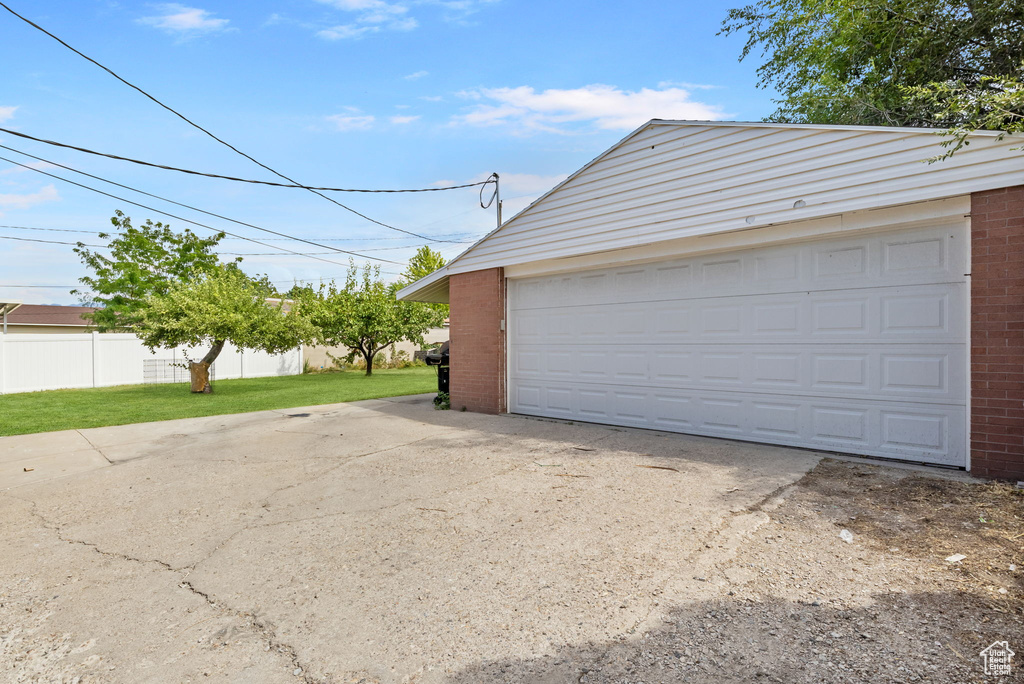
{"x":196,"y":223}
{"x":80,"y":244}
{"x":186,"y":206}
{"x":320,"y":239}
{"x":52,"y":230}
{"x":230,"y":178}
{"x":49,"y":242}
{"x":197,"y":126}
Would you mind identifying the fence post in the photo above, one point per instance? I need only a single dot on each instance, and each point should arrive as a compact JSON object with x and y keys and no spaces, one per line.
{"x":95,"y":357}
{"x":3,"y":365}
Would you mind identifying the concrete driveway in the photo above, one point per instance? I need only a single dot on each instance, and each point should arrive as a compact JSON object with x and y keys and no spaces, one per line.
{"x":380,"y":541}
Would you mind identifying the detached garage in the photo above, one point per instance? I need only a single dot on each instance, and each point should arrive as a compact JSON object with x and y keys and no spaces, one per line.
{"x":810,"y":286}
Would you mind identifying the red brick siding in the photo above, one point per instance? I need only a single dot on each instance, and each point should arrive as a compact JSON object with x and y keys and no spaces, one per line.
{"x":997,"y":333}
{"x":477,"y":301}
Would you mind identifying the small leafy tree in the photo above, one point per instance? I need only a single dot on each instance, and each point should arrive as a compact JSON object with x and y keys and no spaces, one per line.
{"x":220,"y":306}
{"x":170,"y":288}
{"x":365,"y":316}
{"x":142,"y":262}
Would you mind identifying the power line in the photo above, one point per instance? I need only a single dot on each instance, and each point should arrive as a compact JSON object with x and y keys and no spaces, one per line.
{"x":230,"y":178}
{"x":54,"y":287}
{"x":50,"y":242}
{"x":376,"y":239}
{"x":318,"y":239}
{"x":180,"y":204}
{"x":197,"y":126}
{"x":80,"y":244}
{"x":196,"y":223}
{"x":54,"y":230}
{"x":56,"y":242}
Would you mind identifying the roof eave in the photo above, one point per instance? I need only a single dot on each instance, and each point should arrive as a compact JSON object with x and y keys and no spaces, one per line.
{"x":431,"y":289}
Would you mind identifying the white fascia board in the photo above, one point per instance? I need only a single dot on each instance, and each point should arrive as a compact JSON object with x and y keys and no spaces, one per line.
{"x":432,"y":288}
{"x":950,"y":211}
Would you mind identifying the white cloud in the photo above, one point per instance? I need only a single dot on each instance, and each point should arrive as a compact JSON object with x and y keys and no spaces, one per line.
{"x":458,"y":11}
{"x":526,"y":183}
{"x":518,"y":190}
{"x":347,"y":31}
{"x":403,"y":119}
{"x":371,"y":17}
{"x":354,"y":5}
{"x":27,"y":201}
{"x":406,"y":24}
{"x":606,"y":107}
{"x":392,"y":16}
{"x":7,"y":113}
{"x":414,"y":76}
{"x":432,"y":98}
{"x":181,"y":20}
{"x":31,"y":165}
{"x":352,"y":123}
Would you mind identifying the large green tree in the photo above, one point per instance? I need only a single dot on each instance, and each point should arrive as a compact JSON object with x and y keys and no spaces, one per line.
{"x":220,"y":306}
{"x":364,"y":315}
{"x":424,"y":262}
{"x":136,"y":263}
{"x":928,"y":63}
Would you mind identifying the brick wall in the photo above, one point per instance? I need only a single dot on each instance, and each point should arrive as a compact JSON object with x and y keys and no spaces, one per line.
{"x":477,"y":301}
{"x":997,"y":333}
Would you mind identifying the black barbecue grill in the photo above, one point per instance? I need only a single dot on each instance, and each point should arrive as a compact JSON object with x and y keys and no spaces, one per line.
{"x":439,"y":358}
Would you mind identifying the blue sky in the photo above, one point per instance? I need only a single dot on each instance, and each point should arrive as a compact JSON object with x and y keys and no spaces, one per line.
{"x":340,"y":93}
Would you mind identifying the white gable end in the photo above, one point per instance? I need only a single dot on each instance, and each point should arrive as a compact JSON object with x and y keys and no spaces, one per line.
{"x":672,"y":180}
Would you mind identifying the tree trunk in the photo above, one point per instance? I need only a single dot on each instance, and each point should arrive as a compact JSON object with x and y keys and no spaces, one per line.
{"x":369,"y":362}
{"x":200,"y":371}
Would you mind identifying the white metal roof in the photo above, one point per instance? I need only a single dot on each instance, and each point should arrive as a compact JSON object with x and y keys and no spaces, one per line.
{"x":675,"y":179}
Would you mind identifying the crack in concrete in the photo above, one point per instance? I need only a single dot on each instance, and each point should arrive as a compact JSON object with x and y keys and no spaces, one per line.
{"x":254,"y":623}
{"x":95,"y":448}
{"x":387,"y":507}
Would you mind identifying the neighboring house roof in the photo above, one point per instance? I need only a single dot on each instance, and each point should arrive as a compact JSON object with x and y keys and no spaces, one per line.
{"x":670,"y":180}
{"x":45,"y":314}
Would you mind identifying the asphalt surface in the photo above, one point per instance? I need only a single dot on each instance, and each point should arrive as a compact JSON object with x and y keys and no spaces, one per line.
{"x":380,"y":541}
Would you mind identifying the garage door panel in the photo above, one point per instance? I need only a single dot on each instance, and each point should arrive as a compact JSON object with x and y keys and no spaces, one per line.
{"x":775,"y":370}
{"x":932,"y":374}
{"x":912,"y":314}
{"x":784,"y":345}
{"x":922,"y":256}
{"x":919,"y":432}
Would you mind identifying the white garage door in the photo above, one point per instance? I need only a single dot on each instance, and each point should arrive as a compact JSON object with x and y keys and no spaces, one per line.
{"x":854,"y":345}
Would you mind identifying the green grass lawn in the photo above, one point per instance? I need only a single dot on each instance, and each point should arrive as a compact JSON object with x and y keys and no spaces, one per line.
{"x":29,"y":412}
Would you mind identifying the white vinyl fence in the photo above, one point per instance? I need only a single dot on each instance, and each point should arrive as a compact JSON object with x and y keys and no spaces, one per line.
{"x":42,"y":362}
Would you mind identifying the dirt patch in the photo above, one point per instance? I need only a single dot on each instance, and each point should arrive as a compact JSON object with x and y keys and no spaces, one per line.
{"x":798,"y":604}
{"x":930,"y":518}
